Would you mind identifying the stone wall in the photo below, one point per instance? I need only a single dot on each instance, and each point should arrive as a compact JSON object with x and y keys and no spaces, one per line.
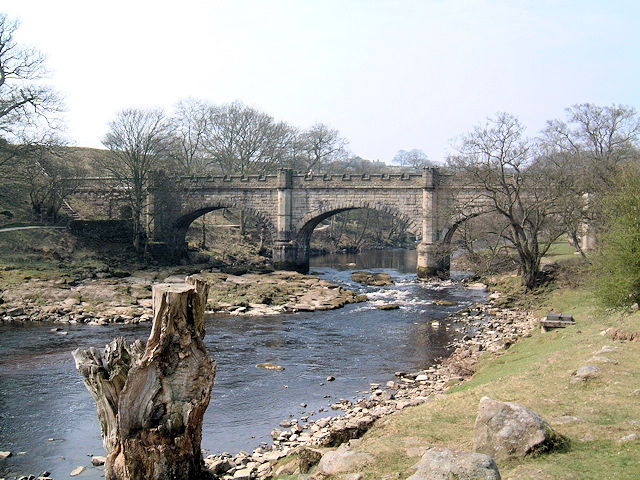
{"x":103,"y":230}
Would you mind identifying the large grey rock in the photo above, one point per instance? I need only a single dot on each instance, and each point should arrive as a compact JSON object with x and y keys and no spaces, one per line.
{"x":444,"y":464}
{"x":342,"y":460}
{"x":508,"y":429}
{"x":584,"y":373}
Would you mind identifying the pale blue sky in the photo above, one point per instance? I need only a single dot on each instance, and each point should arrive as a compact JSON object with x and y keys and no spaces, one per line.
{"x":388,"y":75}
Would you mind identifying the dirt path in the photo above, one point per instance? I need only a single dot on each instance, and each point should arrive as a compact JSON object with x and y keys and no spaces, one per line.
{"x":11,"y":229}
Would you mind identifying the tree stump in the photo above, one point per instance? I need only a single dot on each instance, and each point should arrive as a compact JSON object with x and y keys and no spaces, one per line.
{"x":151,"y":401}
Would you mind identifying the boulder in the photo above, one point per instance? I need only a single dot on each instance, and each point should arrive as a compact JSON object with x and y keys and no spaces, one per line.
{"x":287,"y":469}
{"x":308,"y":457}
{"x":374,"y":279}
{"x":444,"y":464}
{"x":270,"y":366}
{"x":242,"y":474}
{"x":445,"y":303}
{"x":344,"y":430}
{"x":342,"y":460}
{"x":389,"y":306}
{"x":508,"y":429}
{"x":584,"y":373}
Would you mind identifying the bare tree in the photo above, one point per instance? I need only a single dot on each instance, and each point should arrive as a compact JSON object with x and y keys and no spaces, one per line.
{"x":189,"y":127}
{"x":584,"y":155}
{"x":596,"y":139}
{"x":50,"y":178}
{"x":243,"y":140}
{"x":139,"y":143}
{"x":499,"y":158}
{"x":415,"y":159}
{"x":318,"y":146}
{"x":28,"y":110}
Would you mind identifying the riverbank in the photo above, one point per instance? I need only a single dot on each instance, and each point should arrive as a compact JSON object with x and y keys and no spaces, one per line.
{"x":480,"y":328}
{"x":357,"y":344}
{"x":399,"y":421}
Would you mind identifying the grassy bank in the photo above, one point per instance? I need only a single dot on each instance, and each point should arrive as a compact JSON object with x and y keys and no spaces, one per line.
{"x":536,"y":372}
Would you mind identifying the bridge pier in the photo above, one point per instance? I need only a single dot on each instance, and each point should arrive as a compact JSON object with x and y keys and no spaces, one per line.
{"x":286,"y":256}
{"x":286,"y":251}
{"x":432,"y":261}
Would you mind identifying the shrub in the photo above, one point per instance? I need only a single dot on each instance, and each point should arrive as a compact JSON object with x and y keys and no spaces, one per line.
{"x":616,"y":265}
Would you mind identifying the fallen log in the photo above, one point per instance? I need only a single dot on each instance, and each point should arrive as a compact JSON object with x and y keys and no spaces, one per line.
{"x":151,"y":400}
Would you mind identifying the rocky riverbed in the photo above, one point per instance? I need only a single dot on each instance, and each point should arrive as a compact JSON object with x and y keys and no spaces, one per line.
{"x":97,"y":301}
{"x":482,"y":328}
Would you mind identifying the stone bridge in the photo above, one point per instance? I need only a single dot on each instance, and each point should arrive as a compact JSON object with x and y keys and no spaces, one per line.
{"x":291,"y":205}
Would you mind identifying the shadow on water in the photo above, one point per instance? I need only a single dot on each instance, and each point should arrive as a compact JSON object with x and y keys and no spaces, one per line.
{"x":43,"y":397}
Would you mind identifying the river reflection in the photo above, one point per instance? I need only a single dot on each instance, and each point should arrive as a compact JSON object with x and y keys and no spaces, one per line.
{"x":42,"y":397}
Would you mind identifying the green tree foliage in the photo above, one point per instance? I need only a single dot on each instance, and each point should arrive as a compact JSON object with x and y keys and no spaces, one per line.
{"x":616,"y":266}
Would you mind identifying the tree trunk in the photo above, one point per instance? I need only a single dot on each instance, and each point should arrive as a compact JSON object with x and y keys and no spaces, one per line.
{"x":203,"y":242}
{"x":151,"y":405}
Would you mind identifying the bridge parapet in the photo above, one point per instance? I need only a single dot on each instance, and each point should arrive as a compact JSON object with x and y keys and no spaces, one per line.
{"x":349,"y":180}
{"x":96,"y":184}
{"x":229,"y":181}
{"x":299,"y":180}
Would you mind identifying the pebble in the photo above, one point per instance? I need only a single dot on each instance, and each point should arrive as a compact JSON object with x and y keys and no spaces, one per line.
{"x":629,"y":438}
{"x":4,"y":455}
{"x":330,"y":378}
{"x":77,"y":471}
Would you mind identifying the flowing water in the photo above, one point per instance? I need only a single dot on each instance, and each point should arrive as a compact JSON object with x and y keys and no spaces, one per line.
{"x":48,"y":419}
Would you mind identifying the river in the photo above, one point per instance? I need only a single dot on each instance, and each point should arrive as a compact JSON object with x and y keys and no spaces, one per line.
{"x":48,"y":419}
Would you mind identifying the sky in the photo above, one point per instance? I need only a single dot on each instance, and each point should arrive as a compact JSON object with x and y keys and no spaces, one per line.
{"x":388,"y":74}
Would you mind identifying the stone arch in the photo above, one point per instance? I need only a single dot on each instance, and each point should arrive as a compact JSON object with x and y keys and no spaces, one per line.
{"x":457,"y":221}
{"x":313,"y":218}
{"x":184,"y":220}
{"x":181,"y":224}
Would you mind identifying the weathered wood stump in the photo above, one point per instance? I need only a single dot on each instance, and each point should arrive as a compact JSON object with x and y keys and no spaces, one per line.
{"x":151,"y":401}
